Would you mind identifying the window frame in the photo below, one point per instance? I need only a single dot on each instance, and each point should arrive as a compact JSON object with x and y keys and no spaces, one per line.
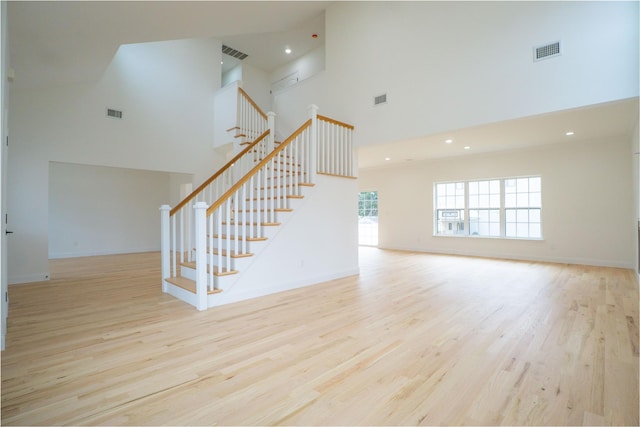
{"x":502,"y":210}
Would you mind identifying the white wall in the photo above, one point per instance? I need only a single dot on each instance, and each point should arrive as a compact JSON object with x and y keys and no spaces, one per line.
{"x":586,"y":205}
{"x":79,"y":197}
{"x":308,"y":65}
{"x":4,"y":110}
{"x":165,"y":90}
{"x":318,"y":243}
{"x":452,"y":65}
{"x":256,"y":83}
{"x":635,"y":162}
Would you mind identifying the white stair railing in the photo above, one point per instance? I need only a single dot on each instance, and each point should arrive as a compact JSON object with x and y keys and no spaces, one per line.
{"x":252,"y":121}
{"x":178,"y":229}
{"x":239,"y":207}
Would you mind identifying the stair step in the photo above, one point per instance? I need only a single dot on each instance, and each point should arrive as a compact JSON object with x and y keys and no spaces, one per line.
{"x":267,"y":210}
{"x":188,"y":285}
{"x":300,"y":184}
{"x":291,"y":196}
{"x":192,"y":264}
{"x":249,"y":239}
{"x":233,"y":254}
{"x":255,"y":224}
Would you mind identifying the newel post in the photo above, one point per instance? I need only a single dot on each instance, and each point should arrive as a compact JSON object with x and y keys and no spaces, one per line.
{"x":313,"y":142}
{"x":165,"y":244}
{"x":201,"y":255}
{"x":271,"y":125}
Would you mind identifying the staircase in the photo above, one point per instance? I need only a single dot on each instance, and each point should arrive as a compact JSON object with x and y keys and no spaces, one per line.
{"x":217,"y":232}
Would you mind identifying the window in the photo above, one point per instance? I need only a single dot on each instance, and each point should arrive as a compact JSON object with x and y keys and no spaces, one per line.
{"x":368,"y":218}
{"x":509,"y":207}
{"x":522,"y":202}
{"x":484,"y":208}
{"x":450,"y":208}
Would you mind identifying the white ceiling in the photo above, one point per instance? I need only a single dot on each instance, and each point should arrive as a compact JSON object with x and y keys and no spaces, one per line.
{"x":593,"y":122}
{"x":64,"y":42}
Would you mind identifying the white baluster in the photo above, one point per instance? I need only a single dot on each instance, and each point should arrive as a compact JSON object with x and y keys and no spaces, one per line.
{"x":201,"y":256}
{"x":313,"y":113}
{"x":165,"y":244}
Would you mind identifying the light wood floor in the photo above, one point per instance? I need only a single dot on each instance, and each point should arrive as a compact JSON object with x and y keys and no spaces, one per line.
{"x":416,"y":339}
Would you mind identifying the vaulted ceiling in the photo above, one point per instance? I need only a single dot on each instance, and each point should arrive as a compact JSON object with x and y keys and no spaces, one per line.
{"x":63,"y":42}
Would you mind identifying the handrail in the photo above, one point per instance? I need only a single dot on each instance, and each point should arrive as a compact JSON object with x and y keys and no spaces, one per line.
{"x":259,"y":166}
{"x":258,"y":109}
{"x":335,"y":122}
{"x":202,"y":186}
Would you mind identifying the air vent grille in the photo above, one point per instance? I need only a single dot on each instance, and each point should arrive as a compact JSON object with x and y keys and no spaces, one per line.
{"x":116,"y":114}
{"x":233,"y":53}
{"x":380,"y":99}
{"x":547,"y":51}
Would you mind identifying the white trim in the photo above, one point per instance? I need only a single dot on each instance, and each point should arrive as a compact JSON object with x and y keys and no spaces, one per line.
{"x":508,"y":256}
{"x":181,"y":294}
{"x":28,"y":278}
{"x":98,"y":253}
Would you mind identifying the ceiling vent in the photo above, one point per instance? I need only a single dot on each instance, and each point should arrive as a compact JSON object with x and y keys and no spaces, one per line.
{"x":380,"y":99}
{"x":116,"y":114}
{"x":233,"y":53}
{"x":550,"y":50}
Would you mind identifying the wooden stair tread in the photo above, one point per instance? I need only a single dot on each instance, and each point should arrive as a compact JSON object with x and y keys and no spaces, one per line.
{"x":300,"y":184}
{"x":233,"y":255}
{"x":249,"y":239}
{"x":263,"y":224}
{"x":262,"y":210}
{"x":192,"y":264}
{"x":291,"y":196}
{"x":188,"y":285}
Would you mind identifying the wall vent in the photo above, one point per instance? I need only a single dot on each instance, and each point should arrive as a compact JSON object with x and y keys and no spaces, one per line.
{"x":547,"y":51}
{"x":233,"y":53}
{"x":380,"y":99}
{"x":116,"y":114}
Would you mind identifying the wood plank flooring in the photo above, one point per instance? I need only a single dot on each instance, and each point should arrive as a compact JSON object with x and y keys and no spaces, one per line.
{"x":415,"y":339}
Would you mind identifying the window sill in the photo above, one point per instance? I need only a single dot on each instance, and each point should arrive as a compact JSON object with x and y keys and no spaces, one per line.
{"x":462,"y":236}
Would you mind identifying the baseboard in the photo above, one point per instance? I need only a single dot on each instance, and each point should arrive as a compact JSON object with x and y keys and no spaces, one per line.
{"x":62,"y":255}
{"x":28,"y":278}
{"x":556,"y":260}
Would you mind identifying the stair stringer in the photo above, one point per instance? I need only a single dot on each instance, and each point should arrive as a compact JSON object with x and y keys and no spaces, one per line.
{"x":319,"y":242}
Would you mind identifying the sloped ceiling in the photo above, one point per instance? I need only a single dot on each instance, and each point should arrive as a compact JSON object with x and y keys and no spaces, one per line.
{"x":63,"y":42}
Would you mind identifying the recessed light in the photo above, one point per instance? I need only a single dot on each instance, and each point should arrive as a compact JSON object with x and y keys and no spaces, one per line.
{"x":287,"y":51}
{"x":569,"y":133}
{"x":221,"y":62}
{"x":387,"y":158}
{"x":467,"y":148}
{"x":448,"y":141}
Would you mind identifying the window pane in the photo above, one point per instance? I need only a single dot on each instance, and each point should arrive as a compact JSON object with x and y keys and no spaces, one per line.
{"x":534,"y":184}
{"x":534,"y":215}
{"x":510,"y":215}
{"x":522,"y":230}
{"x":523,"y":185}
{"x":522,"y":200}
{"x":494,"y":201}
{"x":442,"y":202}
{"x":451,"y":188}
{"x":494,"y":229}
{"x":473,"y":187}
{"x":484,"y":215}
{"x":494,"y":186}
{"x":441,"y":189}
{"x":484,"y":229}
{"x":509,"y":200}
{"x":494,"y":215}
{"x":509,"y":185}
{"x":523,"y":215}
{"x":460,"y":202}
{"x":484,"y":200}
{"x":473,"y":201}
{"x":483,"y":187}
{"x":451,"y":202}
{"x":460,"y":186}
{"x":534,"y":231}
{"x":535,"y":200}
{"x":510,"y":230}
